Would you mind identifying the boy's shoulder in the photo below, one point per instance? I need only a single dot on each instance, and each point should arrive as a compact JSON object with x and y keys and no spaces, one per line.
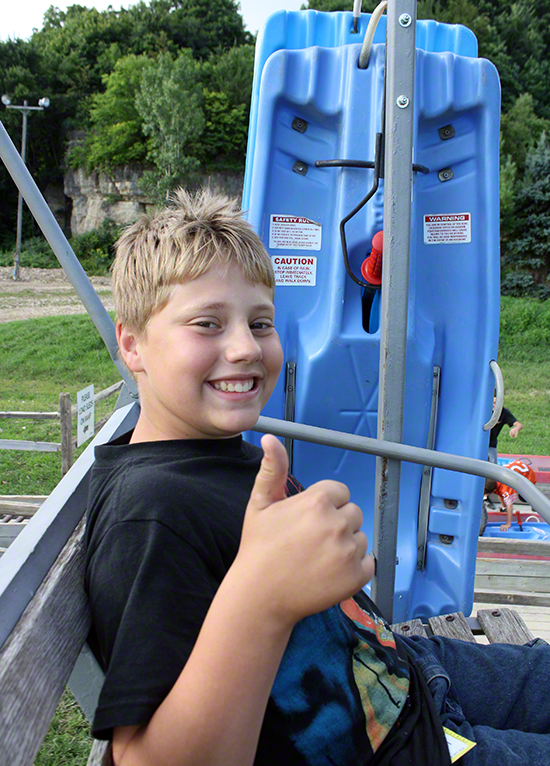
{"x":175,"y":483}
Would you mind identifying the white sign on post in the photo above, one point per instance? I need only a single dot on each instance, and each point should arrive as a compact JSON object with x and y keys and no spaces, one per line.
{"x":85,"y":414}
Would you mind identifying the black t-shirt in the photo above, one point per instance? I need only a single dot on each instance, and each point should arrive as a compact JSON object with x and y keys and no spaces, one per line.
{"x":164,"y":525}
{"x":506,"y":418}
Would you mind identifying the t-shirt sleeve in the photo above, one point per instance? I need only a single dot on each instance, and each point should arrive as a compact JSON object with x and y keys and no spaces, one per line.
{"x":150,"y":592}
{"x":508,"y":418}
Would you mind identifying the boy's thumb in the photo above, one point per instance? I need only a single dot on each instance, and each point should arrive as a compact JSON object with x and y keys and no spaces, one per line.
{"x":270,"y":483}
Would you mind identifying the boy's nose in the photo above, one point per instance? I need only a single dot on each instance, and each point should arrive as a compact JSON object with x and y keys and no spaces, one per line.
{"x":243,"y":346}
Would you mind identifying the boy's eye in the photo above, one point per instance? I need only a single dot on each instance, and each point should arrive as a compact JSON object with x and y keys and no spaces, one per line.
{"x":206,"y":323}
{"x":262,"y":325}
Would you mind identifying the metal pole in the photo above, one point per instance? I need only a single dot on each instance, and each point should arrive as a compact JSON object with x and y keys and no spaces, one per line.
{"x":418,"y":455}
{"x":400,"y":65}
{"x":17,"y":259}
{"x":64,"y":252}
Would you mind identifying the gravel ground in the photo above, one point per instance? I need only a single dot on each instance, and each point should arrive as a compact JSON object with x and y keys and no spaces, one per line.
{"x":44,"y":292}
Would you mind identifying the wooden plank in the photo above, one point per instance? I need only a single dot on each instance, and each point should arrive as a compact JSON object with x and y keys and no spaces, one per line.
{"x":66,"y":432}
{"x":100,"y":754}
{"x":452,"y":626}
{"x":504,"y":626}
{"x":8,"y":532}
{"x":488,"y":596}
{"x":31,"y":415}
{"x":410,"y":628}
{"x":513,"y":546}
{"x":38,"y":656}
{"x":25,"y":498}
{"x":537,"y":618}
{"x":510,"y":582}
{"x":18,"y":507}
{"x":29,"y":446}
{"x":513,"y":567}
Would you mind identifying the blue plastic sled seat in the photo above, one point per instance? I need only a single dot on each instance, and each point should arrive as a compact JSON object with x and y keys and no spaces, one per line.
{"x":311,"y":102}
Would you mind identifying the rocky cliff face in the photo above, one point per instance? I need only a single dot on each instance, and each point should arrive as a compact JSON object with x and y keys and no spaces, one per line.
{"x":99,"y":196}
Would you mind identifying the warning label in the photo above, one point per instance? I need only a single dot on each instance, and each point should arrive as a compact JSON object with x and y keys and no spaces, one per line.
{"x":291,"y":232}
{"x":447,"y":229}
{"x":295,"y":270}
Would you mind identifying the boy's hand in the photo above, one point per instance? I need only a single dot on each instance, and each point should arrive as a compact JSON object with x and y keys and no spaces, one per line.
{"x":306,"y":552}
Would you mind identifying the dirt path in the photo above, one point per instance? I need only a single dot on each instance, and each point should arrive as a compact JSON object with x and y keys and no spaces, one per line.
{"x":44,"y":292}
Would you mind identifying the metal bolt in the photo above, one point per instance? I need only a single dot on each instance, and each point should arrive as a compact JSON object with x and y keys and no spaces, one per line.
{"x":450,"y":618}
{"x":289,"y":388}
{"x":405,"y":628}
{"x":405,"y":20}
{"x":402,"y":102}
{"x":496,"y":613}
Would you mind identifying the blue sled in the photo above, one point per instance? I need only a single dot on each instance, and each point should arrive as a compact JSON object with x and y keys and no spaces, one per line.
{"x":312,"y":103}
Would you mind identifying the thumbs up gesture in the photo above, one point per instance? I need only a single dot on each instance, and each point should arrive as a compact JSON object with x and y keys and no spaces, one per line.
{"x":305,"y":552}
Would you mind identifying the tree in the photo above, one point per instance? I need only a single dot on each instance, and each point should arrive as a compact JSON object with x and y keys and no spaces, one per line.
{"x":529,"y":248}
{"x":202,"y":26}
{"x":328,"y":5}
{"x":521,"y":129}
{"x":227,"y":80}
{"x":170,"y":102}
{"x":116,"y":137}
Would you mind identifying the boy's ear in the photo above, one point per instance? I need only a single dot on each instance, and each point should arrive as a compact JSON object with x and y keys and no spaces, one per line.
{"x":128,"y":345}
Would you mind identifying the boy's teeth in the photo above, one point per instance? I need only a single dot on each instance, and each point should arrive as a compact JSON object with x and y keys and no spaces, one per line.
{"x":240,"y":388}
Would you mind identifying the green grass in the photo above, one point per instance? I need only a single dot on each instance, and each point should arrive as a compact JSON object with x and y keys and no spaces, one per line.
{"x":524,"y":358}
{"x":40,"y":358}
{"x":68,"y":740}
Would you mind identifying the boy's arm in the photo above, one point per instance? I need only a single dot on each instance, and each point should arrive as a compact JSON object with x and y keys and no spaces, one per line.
{"x":515,"y":429}
{"x":509,"y":512}
{"x":297,"y":556}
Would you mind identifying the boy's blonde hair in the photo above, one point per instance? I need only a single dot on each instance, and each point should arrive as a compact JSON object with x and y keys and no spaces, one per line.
{"x":180,"y":243}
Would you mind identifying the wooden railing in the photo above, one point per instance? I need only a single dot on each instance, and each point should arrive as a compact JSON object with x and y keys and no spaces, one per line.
{"x":65,"y":416}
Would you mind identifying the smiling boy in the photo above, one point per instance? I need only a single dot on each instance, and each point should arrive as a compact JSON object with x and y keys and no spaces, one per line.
{"x":227,"y":604}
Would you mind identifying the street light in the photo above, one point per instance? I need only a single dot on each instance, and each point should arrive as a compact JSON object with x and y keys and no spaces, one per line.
{"x":25,"y":109}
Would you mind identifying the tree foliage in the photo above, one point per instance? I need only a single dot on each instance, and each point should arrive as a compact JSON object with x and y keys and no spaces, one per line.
{"x":529,"y":247}
{"x":169,"y":102}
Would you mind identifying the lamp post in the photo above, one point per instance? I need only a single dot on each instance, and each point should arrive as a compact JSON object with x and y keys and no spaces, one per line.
{"x":25,"y":109}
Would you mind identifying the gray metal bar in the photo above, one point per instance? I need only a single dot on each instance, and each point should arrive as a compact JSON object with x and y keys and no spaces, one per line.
{"x":394,"y":451}
{"x":400,"y":68}
{"x":499,"y":396}
{"x":290,"y":404}
{"x":64,"y":252}
{"x":426,"y":482}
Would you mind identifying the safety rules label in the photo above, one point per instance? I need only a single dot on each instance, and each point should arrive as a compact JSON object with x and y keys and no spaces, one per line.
{"x":300,"y":271}
{"x":447,"y":228}
{"x":291,"y":232}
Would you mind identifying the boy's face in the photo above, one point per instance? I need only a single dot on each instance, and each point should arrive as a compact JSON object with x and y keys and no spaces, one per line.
{"x":209,"y":360}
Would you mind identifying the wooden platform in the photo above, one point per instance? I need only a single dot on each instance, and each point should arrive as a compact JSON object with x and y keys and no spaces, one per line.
{"x":497,"y":625}
{"x":536,"y":618}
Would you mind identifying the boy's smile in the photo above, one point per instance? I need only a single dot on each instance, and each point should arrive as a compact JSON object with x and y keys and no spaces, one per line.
{"x":208,"y":361}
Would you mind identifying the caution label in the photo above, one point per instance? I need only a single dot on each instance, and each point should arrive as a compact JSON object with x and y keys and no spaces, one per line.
{"x":295,"y":270}
{"x":291,"y":232}
{"x":447,"y":228}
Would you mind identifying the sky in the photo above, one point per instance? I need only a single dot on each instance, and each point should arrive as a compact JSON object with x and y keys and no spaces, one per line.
{"x":18,"y":19}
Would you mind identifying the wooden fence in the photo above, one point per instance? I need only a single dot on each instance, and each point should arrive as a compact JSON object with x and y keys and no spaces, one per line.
{"x":503,"y":577}
{"x":65,"y":416}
